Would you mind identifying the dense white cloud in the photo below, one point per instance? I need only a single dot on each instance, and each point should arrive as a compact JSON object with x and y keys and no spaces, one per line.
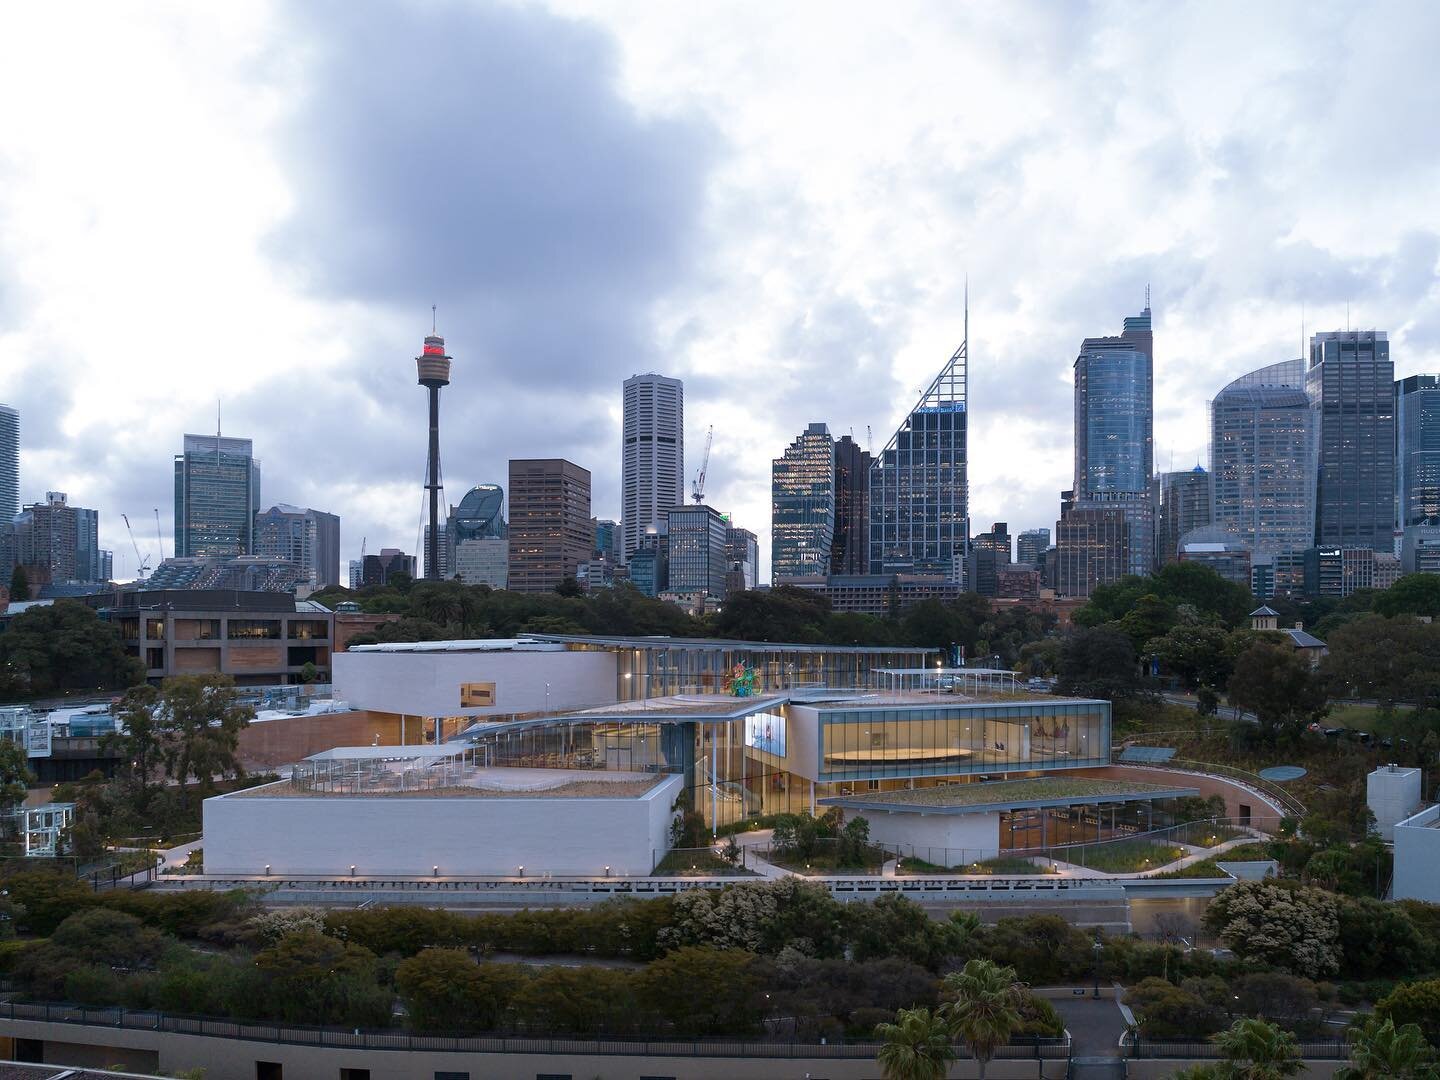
{"x":778,"y":203}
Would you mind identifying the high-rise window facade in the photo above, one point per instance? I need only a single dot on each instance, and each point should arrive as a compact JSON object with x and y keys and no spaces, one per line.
{"x":742,"y":559}
{"x":217,"y":494}
{"x":1184,"y":505}
{"x":60,"y":540}
{"x":919,"y":484}
{"x":550,"y":533}
{"x":475,"y":533}
{"x":696,"y":549}
{"x":1114,"y":442}
{"x":308,"y":538}
{"x":1417,"y":451}
{"x":1030,"y":546}
{"x":652,"y":465}
{"x":9,"y":462}
{"x":802,"y":506}
{"x":850,"y":551}
{"x":1351,"y":386}
{"x":1262,"y":460}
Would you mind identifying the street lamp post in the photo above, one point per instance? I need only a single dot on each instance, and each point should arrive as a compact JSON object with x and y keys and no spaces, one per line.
{"x":1097,"y":948}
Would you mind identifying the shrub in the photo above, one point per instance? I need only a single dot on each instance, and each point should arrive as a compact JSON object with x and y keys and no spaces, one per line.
{"x":1414,"y":1003}
{"x":1166,"y":1011}
{"x":1293,"y":928}
{"x":445,"y":990}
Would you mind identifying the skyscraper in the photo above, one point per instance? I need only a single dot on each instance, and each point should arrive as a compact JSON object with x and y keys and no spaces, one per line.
{"x":477,"y":538}
{"x":9,"y":462}
{"x":652,"y":465}
{"x":989,"y":553}
{"x":60,"y":541}
{"x":1351,"y":388}
{"x":549,"y":523}
{"x":1092,"y":547}
{"x":1184,"y":505}
{"x":1262,"y":460}
{"x":433,"y":368}
{"x":1114,"y":440}
{"x":308,"y":538}
{"x":850,"y":550}
{"x":1417,"y":451}
{"x":696,"y":549}
{"x":1030,"y":546}
{"x":742,"y":559}
{"x":217,"y":493}
{"x":919,"y":484}
{"x":802,"y":506}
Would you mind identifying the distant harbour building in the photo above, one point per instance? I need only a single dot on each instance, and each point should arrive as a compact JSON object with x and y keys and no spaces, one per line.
{"x":1219,"y":550}
{"x":1092,"y":547}
{"x":649,"y":565}
{"x":742,"y":559}
{"x":850,"y":551}
{"x":1262,"y":459}
{"x":380,"y":569}
{"x":308,"y":538}
{"x":1417,"y":451}
{"x":217,"y":495}
{"x":549,"y":531}
{"x":1031,"y":545}
{"x":919,"y":483}
{"x":1351,"y":387}
{"x":607,"y":539}
{"x":1184,"y":505}
{"x":696,"y":551}
{"x":477,"y":544}
{"x":989,"y":553}
{"x":652,"y":465}
{"x":802,"y":501}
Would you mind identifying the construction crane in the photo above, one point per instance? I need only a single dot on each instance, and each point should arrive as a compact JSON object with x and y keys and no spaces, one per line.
{"x":142,"y":562}
{"x":698,"y":494}
{"x":869,"y":440}
{"x":158,"y":538}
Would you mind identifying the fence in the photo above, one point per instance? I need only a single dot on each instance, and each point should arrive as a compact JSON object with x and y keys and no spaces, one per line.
{"x":143,"y":1020}
{"x":1137,"y":1046}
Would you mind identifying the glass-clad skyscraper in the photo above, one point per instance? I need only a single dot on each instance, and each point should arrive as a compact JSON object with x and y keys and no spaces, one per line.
{"x":802,"y":506}
{"x":652,"y":461}
{"x":217,"y":494}
{"x":1262,"y":459}
{"x":1351,"y":387}
{"x":1184,"y":505}
{"x":919,"y":484}
{"x":475,"y":532}
{"x":9,"y":462}
{"x":1417,"y":451}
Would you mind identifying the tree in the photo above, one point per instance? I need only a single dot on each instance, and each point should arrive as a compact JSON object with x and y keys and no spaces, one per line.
{"x":917,"y":1046}
{"x":64,"y":646}
{"x":19,"y":585}
{"x":569,"y":587}
{"x":700,"y":991}
{"x":1167,"y":1011}
{"x":1414,"y":1003}
{"x":1253,"y":1049}
{"x":1276,"y":684}
{"x":311,"y":978}
{"x":198,"y":719}
{"x":445,"y":990}
{"x":138,"y":739}
{"x":1389,"y":659}
{"x":1379,"y":1049}
{"x":1413,"y":594}
{"x":985,"y":1009}
{"x":1099,"y":662}
{"x":15,"y":776}
{"x":1293,"y":928}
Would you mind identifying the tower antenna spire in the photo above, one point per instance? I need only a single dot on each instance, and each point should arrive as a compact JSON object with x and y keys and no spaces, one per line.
{"x":217,"y":418}
{"x":1147,"y":296}
{"x":434,"y":320}
{"x":967,"y":313}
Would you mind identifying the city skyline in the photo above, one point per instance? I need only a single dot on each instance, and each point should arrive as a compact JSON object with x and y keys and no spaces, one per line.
{"x":765,"y":267}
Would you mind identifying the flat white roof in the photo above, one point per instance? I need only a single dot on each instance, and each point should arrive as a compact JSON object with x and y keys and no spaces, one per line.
{"x":462,"y":645}
{"x":942,"y":671}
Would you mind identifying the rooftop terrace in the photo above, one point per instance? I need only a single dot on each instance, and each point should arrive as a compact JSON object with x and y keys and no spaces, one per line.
{"x":977,"y":798}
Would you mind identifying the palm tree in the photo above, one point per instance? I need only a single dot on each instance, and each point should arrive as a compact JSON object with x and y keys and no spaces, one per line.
{"x":1255,"y":1049}
{"x":1380,"y":1049}
{"x":985,"y":1011}
{"x":917,"y":1046}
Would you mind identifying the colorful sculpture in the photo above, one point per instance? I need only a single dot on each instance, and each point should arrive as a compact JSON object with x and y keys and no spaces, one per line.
{"x":741,"y":682}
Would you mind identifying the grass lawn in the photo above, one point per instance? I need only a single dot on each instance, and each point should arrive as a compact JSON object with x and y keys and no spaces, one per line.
{"x":1002,"y":866}
{"x":1357,"y":717}
{"x":1212,"y":835}
{"x":698,"y":863}
{"x":1121,"y":856}
{"x":824,"y":862}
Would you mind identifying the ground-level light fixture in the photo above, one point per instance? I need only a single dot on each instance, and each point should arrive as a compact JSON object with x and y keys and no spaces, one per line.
{"x":267,"y":869}
{"x":435,"y":871}
{"x":607,"y":871}
{"x":521,"y":870}
{"x":352,"y":869}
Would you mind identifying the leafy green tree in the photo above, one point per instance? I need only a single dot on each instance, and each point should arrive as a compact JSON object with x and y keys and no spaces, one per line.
{"x":64,"y":646}
{"x":445,"y":990}
{"x":984,"y":1009}
{"x":785,"y":613}
{"x":138,"y":739}
{"x":897,"y":926}
{"x":1414,"y":1003}
{"x":1167,"y":1011}
{"x":1386,"y":659}
{"x":1276,"y":684}
{"x":19,"y":585}
{"x":1099,"y":662}
{"x":1413,"y":594}
{"x":311,"y":978}
{"x":197,"y":724}
{"x":577,"y":1001}
{"x":1254,"y":1049}
{"x":1379,"y":1050}
{"x":702,"y":991}
{"x":15,"y":776}
{"x":1297,"y":929}
{"x":916,"y":1046}
{"x":569,"y":587}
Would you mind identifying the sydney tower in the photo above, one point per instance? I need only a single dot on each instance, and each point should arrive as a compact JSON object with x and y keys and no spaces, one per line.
{"x":434,"y":369}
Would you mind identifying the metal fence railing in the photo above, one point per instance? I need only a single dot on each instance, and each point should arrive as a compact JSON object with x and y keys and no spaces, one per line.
{"x":645,"y":1046}
{"x":1137,"y":1046}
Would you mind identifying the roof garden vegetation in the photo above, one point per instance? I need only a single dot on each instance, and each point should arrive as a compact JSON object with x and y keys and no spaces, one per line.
{"x":1008,"y":791}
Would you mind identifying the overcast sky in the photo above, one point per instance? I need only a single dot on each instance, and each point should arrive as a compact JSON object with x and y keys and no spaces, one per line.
{"x":778,"y":203}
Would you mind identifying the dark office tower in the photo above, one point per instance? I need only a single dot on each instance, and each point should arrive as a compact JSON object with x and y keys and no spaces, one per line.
{"x":1114,"y":418}
{"x":217,"y":494}
{"x":433,"y":368}
{"x":919,"y":484}
{"x":1262,"y":469}
{"x":9,"y":463}
{"x":549,"y":523}
{"x":802,"y":507}
{"x":308,"y":538}
{"x":1417,"y":451}
{"x":606,"y":535}
{"x":742,"y":559}
{"x":59,"y":543}
{"x":652,"y":461}
{"x":696,"y":551}
{"x":989,"y":553}
{"x":850,"y":551}
{"x":1351,"y":386}
{"x":1092,"y":547}
{"x":1030,"y":547}
{"x":1184,"y":505}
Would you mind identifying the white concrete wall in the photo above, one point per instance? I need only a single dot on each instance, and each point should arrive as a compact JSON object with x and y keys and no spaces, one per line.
{"x":405,"y":836}
{"x":1392,"y":794}
{"x":428,"y":683}
{"x":802,"y":741}
{"x":977,"y":835}
{"x":1417,"y":857}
